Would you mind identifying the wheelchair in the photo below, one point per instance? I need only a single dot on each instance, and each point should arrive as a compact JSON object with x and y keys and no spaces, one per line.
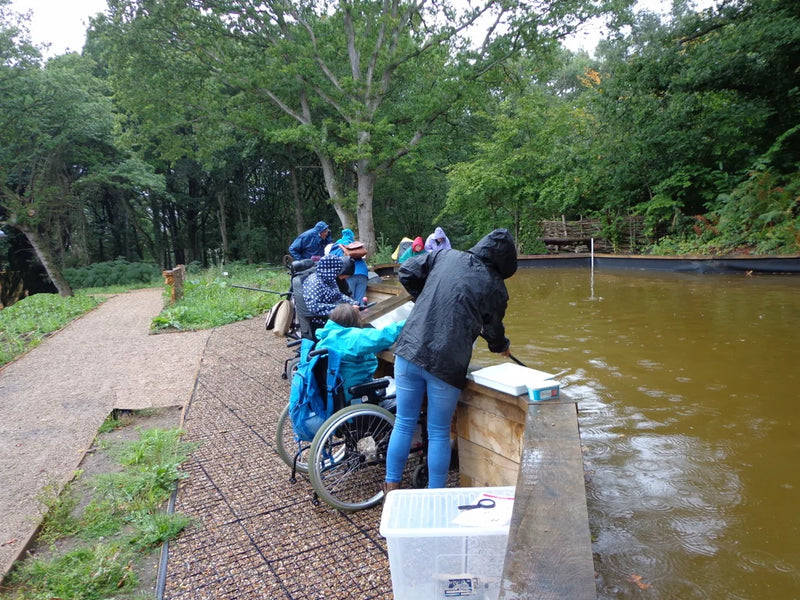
{"x":345,"y":459}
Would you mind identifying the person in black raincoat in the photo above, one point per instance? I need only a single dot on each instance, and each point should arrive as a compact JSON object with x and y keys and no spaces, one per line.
{"x":458,"y":296}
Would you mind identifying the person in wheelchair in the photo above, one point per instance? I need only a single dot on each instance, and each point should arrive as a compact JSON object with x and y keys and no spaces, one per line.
{"x":319,"y":292}
{"x":356,"y":345}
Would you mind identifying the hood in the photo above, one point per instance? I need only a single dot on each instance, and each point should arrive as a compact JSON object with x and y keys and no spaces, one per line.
{"x":328,"y":268}
{"x":498,"y":250}
{"x":320,"y":227}
{"x":418,"y":241}
{"x":347,"y":237}
{"x":438,"y":234}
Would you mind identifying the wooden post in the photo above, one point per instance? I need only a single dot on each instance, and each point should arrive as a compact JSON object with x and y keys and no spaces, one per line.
{"x":174,"y":279}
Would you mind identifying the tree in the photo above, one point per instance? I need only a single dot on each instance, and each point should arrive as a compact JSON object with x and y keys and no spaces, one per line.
{"x":687,"y":108}
{"x":357,"y":83}
{"x":55,"y":123}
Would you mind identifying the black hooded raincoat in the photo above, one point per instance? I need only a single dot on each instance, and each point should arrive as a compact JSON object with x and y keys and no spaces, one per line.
{"x":458,"y":295}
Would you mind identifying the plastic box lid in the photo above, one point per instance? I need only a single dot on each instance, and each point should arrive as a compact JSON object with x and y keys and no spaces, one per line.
{"x":509,"y":378}
{"x":433,"y":512}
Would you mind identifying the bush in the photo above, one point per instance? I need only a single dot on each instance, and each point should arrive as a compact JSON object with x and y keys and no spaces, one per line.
{"x":116,"y":272}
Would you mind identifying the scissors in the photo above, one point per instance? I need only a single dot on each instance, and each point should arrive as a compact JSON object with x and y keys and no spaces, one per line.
{"x":482,"y":503}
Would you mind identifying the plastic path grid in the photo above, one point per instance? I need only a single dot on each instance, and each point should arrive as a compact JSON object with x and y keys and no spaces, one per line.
{"x":255,"y":534}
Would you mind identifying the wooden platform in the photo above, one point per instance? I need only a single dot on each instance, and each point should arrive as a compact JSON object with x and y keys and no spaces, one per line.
{"x":549,"y":553}
{"x":504,"y":440}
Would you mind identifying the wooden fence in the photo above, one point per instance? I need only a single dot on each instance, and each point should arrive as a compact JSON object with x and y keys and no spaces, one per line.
{"x":575,"y":236}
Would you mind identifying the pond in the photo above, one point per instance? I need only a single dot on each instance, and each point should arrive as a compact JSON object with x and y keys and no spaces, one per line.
{"x":687,"y":389}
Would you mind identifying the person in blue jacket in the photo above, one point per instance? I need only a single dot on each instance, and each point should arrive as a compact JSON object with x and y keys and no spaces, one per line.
{"x":358,"y":280}
{"x":311,"y":243}
{"x":355,"y":345}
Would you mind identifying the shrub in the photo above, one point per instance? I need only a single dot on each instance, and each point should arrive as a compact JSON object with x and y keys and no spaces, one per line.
{"x":116,"y":272}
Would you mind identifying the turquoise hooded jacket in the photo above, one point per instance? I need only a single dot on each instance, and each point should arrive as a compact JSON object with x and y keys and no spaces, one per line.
{"x":357,"y":347}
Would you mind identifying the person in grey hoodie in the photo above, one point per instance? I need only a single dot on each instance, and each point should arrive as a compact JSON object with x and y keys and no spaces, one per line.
{"x":457,"y":297}
{"x":437,"y":241}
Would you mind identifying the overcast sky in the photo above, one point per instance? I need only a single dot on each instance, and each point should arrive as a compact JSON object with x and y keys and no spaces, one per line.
{"x":61,"y":23}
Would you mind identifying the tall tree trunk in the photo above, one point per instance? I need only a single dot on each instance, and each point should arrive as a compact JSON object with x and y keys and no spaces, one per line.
{"x":223,"y":224}
{"x":366,"y":191}
{"x":334,"y":191}
{"x":296,"y":196}
{"x":46,"y":258}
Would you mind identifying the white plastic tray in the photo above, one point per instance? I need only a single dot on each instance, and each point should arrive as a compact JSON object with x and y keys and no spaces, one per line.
{"x":509,"y":378}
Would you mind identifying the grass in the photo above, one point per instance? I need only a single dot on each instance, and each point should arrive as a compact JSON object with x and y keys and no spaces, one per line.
{"x":210,"y":298}
{"x":25,"y":324}
{"x":91,"y":553}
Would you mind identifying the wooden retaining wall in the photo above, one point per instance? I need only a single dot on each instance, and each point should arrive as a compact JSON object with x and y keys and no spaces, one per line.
{"x":505,"y":440}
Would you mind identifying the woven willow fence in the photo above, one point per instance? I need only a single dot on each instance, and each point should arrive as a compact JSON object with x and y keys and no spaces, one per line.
{"x":575,"y":236}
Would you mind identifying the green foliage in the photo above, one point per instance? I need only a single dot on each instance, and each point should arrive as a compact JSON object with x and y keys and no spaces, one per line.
{"x":762,"y":213}
{"x":59,"y":520}
{"x":384,"y":254}
{"x":82,"y":574}
{"x":153,"y":529}
{"x":210,"y":300}
{"x":124,"y":519}
{"x":26,"y":323}
{"x":112,"y":273}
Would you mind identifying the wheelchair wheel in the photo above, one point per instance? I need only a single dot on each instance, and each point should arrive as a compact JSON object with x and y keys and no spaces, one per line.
{"x":288,"y":447}
{"x":289,"y":367}
{"x":347,"y":460}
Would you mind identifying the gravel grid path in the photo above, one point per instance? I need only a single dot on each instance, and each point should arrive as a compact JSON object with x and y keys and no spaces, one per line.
{"x":257,"y":535}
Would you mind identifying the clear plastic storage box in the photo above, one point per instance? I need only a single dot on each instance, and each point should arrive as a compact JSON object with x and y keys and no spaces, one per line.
{"x":438,"y":551}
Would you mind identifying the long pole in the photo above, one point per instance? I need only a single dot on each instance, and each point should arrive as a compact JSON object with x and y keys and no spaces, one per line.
{"x":255,"y":289}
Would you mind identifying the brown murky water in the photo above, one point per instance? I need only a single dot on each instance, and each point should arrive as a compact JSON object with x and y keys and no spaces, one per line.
{"x":690,"y":422}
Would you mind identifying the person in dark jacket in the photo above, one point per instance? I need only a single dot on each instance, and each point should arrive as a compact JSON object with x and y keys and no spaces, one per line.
{"x":457,"y":297}
{"x":321,"y":294}
{"x":311,"y":243}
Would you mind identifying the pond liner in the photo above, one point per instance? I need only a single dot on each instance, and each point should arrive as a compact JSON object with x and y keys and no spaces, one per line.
{"x":686,"y":264}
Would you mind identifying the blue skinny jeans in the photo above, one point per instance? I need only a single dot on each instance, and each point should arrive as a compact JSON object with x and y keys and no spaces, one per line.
{"x":412,"y":384}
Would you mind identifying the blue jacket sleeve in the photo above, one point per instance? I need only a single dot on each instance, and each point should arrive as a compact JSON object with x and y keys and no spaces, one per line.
{"x":370,"y":341}
{"x":296,"y":248}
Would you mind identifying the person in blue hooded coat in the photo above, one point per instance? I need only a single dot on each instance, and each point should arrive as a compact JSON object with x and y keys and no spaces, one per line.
{"x":457,"y":297}
{"x":311,"y":242}
{"x":355,"y":345}
{"x":357,"y":282}
{"x":320,"y":291}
